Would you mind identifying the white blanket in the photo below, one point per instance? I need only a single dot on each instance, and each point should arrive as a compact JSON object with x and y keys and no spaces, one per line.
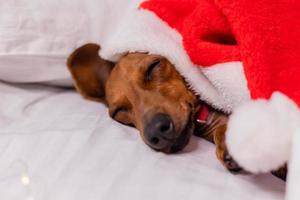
{"x":56,"y":146}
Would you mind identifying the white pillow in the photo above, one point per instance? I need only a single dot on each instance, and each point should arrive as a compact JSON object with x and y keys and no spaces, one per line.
{"x":37,"y":36}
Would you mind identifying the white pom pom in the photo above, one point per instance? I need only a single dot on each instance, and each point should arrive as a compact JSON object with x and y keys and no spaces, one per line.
{"x":259,"y":133}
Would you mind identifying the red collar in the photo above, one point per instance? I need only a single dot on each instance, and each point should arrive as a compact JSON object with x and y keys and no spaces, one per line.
{"x":203,"y":114}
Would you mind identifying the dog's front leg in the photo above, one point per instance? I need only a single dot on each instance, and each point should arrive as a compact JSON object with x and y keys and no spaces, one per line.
{"x":223,"y":155}
{"x":214,"y":130}
{"x":221,"y":150}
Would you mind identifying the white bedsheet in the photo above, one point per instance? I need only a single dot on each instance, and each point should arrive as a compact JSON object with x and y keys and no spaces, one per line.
{"x":56,"y":146}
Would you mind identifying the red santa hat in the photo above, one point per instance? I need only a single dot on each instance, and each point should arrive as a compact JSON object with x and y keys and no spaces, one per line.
{"x":262,"y":36}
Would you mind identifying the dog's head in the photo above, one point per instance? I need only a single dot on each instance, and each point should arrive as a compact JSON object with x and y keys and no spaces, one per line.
{"x":141,"y":90}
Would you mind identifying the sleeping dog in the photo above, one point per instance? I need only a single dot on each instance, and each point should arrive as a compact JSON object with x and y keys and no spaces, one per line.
{"x":146,"y":92}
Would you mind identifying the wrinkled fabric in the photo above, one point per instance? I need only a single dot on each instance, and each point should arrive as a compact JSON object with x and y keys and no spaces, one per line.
{"x":37,"y":36}
{"x":55,"y":145}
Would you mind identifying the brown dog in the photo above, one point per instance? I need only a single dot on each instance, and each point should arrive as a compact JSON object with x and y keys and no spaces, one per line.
{"x":146,"y":91}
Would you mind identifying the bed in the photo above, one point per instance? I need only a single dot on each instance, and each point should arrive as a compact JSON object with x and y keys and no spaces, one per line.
{"x":56,"y":145}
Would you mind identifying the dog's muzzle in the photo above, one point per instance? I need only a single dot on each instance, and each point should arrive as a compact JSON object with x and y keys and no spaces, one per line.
{"x":160,"y":131}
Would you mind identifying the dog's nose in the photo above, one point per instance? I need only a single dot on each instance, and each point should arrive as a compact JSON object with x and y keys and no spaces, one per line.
{"x":160,"y":131}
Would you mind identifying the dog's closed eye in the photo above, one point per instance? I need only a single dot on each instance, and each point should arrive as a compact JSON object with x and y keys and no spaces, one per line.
{"x":121,"y":114}
{"x":151,"y":68}
{"x":118,"y":110}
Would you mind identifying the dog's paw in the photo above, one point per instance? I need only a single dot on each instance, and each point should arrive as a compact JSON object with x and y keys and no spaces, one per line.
{"x":230,"y":164}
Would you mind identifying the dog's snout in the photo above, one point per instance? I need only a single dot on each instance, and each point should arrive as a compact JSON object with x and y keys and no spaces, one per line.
{"x":160,"y":131}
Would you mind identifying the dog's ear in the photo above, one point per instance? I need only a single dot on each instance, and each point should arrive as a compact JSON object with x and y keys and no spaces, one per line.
{"x":89,"y":71}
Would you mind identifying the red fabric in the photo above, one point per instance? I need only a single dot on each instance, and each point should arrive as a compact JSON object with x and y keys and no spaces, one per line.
{"x":263,"y":34}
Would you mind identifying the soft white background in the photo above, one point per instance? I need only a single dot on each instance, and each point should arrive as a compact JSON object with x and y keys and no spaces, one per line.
{"x":71,"y":150}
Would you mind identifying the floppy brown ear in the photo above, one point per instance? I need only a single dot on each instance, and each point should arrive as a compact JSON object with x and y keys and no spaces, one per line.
{"x":89,"y":71}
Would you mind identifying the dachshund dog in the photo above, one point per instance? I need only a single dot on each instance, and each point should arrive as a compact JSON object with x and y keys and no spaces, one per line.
{"x":145,"y":91}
